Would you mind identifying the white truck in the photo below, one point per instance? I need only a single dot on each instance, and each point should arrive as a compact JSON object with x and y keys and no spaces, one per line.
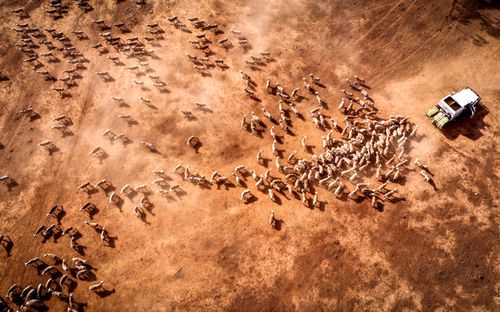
{"x":452,"y":106}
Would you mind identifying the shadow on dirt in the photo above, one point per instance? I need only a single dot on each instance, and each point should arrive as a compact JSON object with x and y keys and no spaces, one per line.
{"x":471,"y":128}
{"x":468,"y":11}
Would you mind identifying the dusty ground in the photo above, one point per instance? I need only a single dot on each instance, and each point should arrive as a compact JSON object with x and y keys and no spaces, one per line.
{"x":435,"y":250}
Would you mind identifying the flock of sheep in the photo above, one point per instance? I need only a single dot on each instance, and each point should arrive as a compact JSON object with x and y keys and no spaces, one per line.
{"x":362,"y":154}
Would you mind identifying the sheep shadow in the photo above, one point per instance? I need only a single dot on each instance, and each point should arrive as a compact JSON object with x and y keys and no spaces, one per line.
{"x":379,"y":206}
{"x":111,"y":241}
{"x":310,"y":149}
{"x":252,"y":200}
{"x":53,"y":150}
{"x":7,"y":244}
{"x":278,"y":224}
{"x":264,"y":162}
{"x":277,"y":200}
{"x":197,"y":146}
{"x":119,"y":204}
{"x":105,"y":292}
{"x":80,"y":249}
{"x":93,"y":212}
{"x":103,"y":156}
{"x":11,"y":184}
{"x":205,"y":110}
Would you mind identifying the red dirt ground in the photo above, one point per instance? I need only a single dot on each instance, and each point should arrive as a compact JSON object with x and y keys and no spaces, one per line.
{"x":435,"y":250}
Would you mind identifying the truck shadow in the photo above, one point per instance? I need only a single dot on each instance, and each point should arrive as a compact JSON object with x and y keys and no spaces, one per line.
{"x":471,"y":128}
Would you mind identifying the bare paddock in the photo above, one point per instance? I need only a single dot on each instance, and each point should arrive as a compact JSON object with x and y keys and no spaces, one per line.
{"x":247,"y":156}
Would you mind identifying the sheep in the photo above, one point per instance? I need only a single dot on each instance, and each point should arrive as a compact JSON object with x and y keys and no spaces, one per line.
{"x":193,"y":141}
{"x":418,"y":164}
{"x":49,"y":269}
{"x":214,"y":174}
{"x":294,"y":94}
{"x":6,"y":180}
{"x":259,"y":182}
{"x":318,"y":99}
{"x":308,"y":86}
{"x":104,"y":235}
{"x":108,"y":134}
{"x":244,"y":124}
{"x":272,"y":220}
{"x":303,"y":143}
{"x":201,"y":106}
{"x":388,"y":194}
{"x":360,"y":80}
{"x":143,"y":188}
{"x":94,"y":225}
{"x":315,"y":79}
{"x":103,"y":184}
{"x":187,"y":114}
{"x":48,"y":145}
{"x":149,"y":146}
{"x":96,"y":287}
{"x":267,"y":173}
{"x":118,"y":100}
{"x":49,"y":285}
{"x":145,"y":100}
{"x":222,"y":180}
{"x":239,"y":169}
{"x":291,"y":158}
{"x":55,"y":211}
{"x":164,"y":193}
{"x":353,"y":192}
{"x":70,"y":230}
{"x":277,"y":164}
{"x":259,"y":156}
{"x":245,"y":196}
{"x":315,"y":199}
{"x":274,"y":149}
{"x":97,"y":152}
{"x":267,"y":114}
{"x":145,"y":203}
{"x":424,"y":174}
{"x":271,"y":195}
{"x":160,"y":182}
{"x":339,"y":189}
{"x":244,"y":76}
{"x":304,"y":198}
{"x":114,"y":199}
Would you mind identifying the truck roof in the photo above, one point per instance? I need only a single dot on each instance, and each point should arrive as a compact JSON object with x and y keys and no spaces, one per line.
{"x":465,"y":97}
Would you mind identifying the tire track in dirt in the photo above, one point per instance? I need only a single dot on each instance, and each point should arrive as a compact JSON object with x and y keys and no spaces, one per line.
{"x":363,"y":36}
{"x":396,"y":20}
{"x":388,"y":70}
{"x":372,"y":8}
